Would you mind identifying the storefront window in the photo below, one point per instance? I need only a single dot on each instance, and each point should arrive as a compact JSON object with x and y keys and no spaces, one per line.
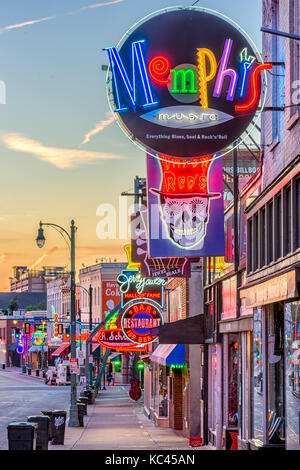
{"x":275,"y":351}
{"x":292,"y":374}
{"x":257,"y":396}
{"x":163,"y":392}
{"x":233,"y":382}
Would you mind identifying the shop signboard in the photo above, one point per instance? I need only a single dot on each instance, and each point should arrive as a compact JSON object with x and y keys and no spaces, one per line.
{"x":73,"y":365}
{"x":185,"y":207}
{"x":133,"y":286}
{"x":138,"y":318}
{"x":110,"y":296}
{"x":186,"y":82}
{"x":153,"y":267}
{"x":115,"y":339}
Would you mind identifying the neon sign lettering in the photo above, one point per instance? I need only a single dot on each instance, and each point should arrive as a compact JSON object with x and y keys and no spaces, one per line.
{"x":138,"y":319}
{"x":183,"y":80}
{"x":20,"y":343}
{"x":117,"y":65}
{"x":140,"y":283}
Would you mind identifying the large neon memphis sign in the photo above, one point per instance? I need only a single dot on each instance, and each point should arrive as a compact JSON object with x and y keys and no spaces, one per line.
{"x":185,"y":207}
{"x":196,"y":79}
{"x":184,"y":80}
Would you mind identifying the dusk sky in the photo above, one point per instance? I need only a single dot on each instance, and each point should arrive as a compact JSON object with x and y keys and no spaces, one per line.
{"x":54,"y":167}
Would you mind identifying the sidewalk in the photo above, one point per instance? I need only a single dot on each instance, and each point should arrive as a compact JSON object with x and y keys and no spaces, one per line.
{"x":115,"y":422}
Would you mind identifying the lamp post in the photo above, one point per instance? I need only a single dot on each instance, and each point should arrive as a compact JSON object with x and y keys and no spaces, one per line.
{"x":40,"y":240}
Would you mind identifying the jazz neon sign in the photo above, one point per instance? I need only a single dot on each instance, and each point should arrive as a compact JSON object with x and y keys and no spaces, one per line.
{"x":186,"y":80}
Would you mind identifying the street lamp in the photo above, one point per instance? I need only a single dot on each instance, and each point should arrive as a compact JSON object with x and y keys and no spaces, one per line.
{"x":40,"y":240}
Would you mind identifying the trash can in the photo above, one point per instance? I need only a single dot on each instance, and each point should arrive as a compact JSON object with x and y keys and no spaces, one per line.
{"x":22,"y":436}
{"x":85,"y":401}
{"x":81,"y":408}
{"x":29,"y":371}
{"x":49,"y":413}
{"x":3,"y":366}
{"x":23,"y":369}
{"x":58,"y":424}
{"x":90,"y":394}
{"x":37,"y":372}
{"x":42,"y":436}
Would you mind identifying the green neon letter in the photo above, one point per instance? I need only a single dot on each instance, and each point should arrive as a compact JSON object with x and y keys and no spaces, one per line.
{"x":187,"y":78}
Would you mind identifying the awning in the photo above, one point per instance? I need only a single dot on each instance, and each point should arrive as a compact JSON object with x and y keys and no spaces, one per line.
{"x":169,"y":355}
{"x":114,"y":356}
{"x":61,"y":349}
{"x":38,"y":348}
{"x":188,"y":331}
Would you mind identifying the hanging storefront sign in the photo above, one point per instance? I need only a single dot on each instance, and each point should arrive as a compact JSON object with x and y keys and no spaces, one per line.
{"x":111,"y":336}
{"x":185,"y":207}
{"x":185,"y":82}
{"x":21,"y":343}
{"x":137,"y":320}
{"x":116,"y":339}
{"x":39,"y":338}
{"x":110,"y":295}
{"x":156,"y":267}
{"x":134,"y":286}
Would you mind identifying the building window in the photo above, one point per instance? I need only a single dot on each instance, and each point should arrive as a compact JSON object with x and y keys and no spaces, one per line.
{"x":288,"y":220}
{"x":297,"y":218}
{"x":249,"y":246}
{"x":294,"y":10}
{"x":257,"y":388}
{"x":255,"y":242}
{"x":233,"y":381}
{"x":262,"y":230}
{"x":278,"y":227}
{"x":292,"y":375}
{"x":275,"y":374}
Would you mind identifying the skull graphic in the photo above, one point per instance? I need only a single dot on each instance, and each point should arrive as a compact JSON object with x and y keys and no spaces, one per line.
{"x":185,"y":219}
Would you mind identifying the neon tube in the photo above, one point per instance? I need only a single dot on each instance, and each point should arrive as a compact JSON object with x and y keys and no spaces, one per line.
{"x":254,"y":87}
{"x":223,"y":72}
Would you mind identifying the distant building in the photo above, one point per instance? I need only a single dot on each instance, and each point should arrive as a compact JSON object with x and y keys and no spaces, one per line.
{"x":34,"y":280}
{"x":102,"y":277}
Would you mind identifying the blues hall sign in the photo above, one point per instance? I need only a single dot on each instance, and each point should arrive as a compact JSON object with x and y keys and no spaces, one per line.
{"x":185,"y":82}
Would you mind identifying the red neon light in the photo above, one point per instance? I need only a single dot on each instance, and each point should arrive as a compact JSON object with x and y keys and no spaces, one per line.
{"x":159,"y":67}
{"x":185,"y":179}
{"x":254,"y":87}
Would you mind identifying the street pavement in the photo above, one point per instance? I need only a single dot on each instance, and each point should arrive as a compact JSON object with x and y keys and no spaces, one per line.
{"x":114,"y":422}
{"x":22,"y":395}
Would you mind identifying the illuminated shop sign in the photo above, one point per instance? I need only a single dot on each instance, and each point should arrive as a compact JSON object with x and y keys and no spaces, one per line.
{"x":137,"y":320}
{"x":154,"y":267}
{"x":21,"y":343}
{"x":185,"y":207}
{"x":134,"y":286}
{"x":185,"y":76}
{"x":39,"y":338}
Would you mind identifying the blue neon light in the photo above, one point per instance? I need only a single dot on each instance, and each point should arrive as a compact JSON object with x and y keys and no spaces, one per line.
{"x":116,"y":63}
{"x":246,"y":67}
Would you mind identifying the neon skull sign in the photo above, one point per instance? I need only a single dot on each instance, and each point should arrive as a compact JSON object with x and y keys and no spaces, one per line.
{"x":185,"y":82}
{"x":184,"y":200}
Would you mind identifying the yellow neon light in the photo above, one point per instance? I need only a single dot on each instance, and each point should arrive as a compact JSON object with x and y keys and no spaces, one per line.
{"x":202,"y":72}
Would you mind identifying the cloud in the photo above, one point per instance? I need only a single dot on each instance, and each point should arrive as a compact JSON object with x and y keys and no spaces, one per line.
{"x":98,"y":128}
{"x":3,"y":258}
{"x":98,"y":5}
{"x":25,"y":23}
{"x":59,"y":157}
{"x":49,"y":18}
{"x":41,"y":258}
